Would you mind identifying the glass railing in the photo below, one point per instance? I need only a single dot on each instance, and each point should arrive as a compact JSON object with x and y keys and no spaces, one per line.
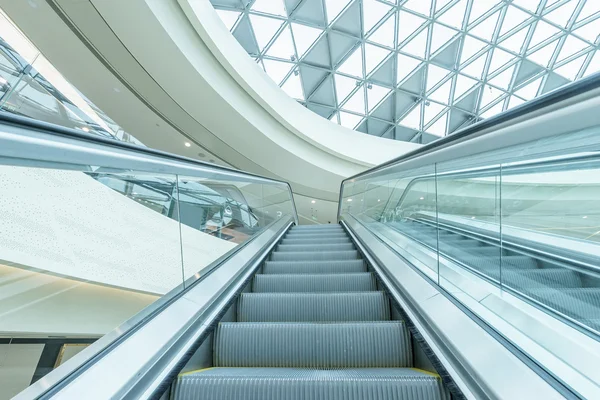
{"x":510,"y":231}
{"x":86,"y":242}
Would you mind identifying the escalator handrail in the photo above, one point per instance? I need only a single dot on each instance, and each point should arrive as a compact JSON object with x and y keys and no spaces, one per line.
{"x":29,"y":124}
{"x":566,"y":92}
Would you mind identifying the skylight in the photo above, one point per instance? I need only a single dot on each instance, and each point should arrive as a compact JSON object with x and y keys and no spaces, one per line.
{"x":416,"y":69}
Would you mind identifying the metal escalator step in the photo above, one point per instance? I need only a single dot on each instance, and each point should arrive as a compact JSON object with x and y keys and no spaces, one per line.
{"x":318,"y":228}
{"x":312,"y":345}
{"x":314,"y":267}
{"x":318,"y":235}
{"x":542,"y":278}
{"x":581,"y":303}
{"x":313,"y":307}
{"x":303,"y":384}
{"x":316,"y":241}
{"x":320,"y":256}
{"x":316,"y":247}
{"x":314,"y":283}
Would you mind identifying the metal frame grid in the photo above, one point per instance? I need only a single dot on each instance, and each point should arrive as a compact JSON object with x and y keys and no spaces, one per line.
{"x":416,"y":70}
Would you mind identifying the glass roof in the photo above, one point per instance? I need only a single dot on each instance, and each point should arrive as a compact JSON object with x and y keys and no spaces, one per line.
{"x":416,"y":70}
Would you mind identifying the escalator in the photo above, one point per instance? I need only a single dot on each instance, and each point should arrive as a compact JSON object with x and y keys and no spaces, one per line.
{"x":572,"y":293}
{"x":313,"y":323}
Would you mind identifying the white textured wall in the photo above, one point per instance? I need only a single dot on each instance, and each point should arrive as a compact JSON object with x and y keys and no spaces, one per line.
{"x":66,"y":223}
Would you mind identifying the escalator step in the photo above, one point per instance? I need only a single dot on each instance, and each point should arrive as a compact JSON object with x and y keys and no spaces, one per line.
{"x":313,"y":307}
{"x":312,"y":345}
{"x":319,"y":234}
{"x":316,"y":241}
{"x":580,"y":303}
{"x":301,"y":384}
{"x":303,"y":256}
{"x":542,"y":278}
{"x":316,"y":247}
{"x":314,"y":283}
{"x":314,"y":267}
{"x":317,"y":228}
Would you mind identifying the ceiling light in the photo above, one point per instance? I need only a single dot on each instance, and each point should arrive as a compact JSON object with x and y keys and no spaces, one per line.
{"x":585,"y":216}
{"x":188,"y":144}
{"x":421,"y":198}
{"x":313,"y":201}
{"x":349,"y":200}
{"x":378,"y":200}
{"x":85,"y":129}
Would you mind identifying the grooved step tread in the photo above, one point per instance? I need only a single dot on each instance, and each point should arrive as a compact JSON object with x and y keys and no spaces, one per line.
{"x":310,"y":283}
{"x":314,"y":267}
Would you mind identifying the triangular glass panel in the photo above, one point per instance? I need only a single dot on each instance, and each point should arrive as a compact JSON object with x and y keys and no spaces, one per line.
{"x":349,"y":120}
{"x":274,"y":7}
{"x":283,"y":46}
{"x":561,"y":15}
{"x":407,"y":25}
{"x":442,"y":94}
{"x":448,"y":56}
{"x":440,"y":36}
{"x":375,"y":94}
{"x":349,"y":22}
{"x":431,"y":110}
{"x":439,"y":127}
{"x":434,"y":75}
{"x":310,"y":12}
{"x":455,"y":15}
{"x":325,"y":93}
{"x":304,"y":37}
{"x":514,"y":101}
{"x":311,"y":78}
{"x":469,"y":101}
{"x":589,"y":31}
{"x":343,"y":86}
{"x":439,"y":4}
{"x":244,"y":35}
{"x":356,"y":102}
{"x":385,"y":33}
{"x":499,"y":58}
{"x":513,"y":18}
{"x":340,"y":46}
{"x":385,"y":73}
{"x":463,"y":85}
{"x":571,"y":46}
{"x":591,"y":7}
{"x":543,"y":55}
{"x":229,"y":18}
{"x":293,"y":87}
{"x":405,"y":66}
{"x":404,"y":103}
{"x":531,"y":5}
{"x":373,"y":56}
{"x":353,"y":64}
{"x":543,"y":31}
{"x":458,"y":119}
{"x":471,"y":47}
{"x":413,"y":118}
{"x":420,"y":6}
{"x":291,"y":5}
{"x":594,"y":65}
{"x":417,"y":45}
{"x":527,"y":70}
{"x":489,"y":94}
{"x":478,"y":8}
{"x":373,"y":12}
{"x":503,"y":79}
{"x":485,"y":29}
{"x":415,"y":82}
{"x":553,"y":81}
{"x":494,"y":110}
{"x":378,"y":128}
{"x":529,"y":91}
{"x":515,"y":41}
{"x":319,"y":54}
{"x":264,"y":29}
{"x":475,"y":68}
{"x":571,"y":69}
{"x":324,"y":112}
{"x":385,"y":110}
{"x":277,"y":70}
{"x":334,"y":8}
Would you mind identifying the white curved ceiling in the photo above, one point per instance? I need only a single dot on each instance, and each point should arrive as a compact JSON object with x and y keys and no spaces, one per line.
{"x":416,"y":70}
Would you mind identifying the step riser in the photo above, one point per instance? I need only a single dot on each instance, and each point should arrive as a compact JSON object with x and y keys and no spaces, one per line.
{"x":298,"y":256}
